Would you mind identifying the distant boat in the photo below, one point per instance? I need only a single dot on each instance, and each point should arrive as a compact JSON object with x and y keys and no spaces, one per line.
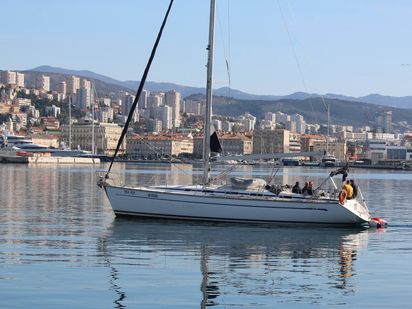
{"x":247,"y":200}
{"x":328,"y":160}
{"x":13,"y":145}
{"x":290,"y":162}
{"x":407,"y":165}
{"x":310,"y":163}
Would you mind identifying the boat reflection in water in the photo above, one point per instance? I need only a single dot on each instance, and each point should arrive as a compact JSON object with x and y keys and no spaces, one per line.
{"x":238,"y":265}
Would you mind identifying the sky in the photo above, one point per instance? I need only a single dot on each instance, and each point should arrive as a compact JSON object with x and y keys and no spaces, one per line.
{"x":274,"y":47}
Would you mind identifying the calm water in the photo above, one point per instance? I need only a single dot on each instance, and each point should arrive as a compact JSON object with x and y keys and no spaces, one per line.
{"x":62,"y":247}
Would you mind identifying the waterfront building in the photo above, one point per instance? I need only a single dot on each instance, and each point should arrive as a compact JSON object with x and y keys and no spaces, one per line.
{"x":45,"y":139}
{"x":271,"y":141}
{"x":158,"y":145}
{"x":336,"y":149}
{"x":294,"y":142}
{"x":398,"y":153}
{"x":307,"y":141}
{"x":232,"y":144}
{"x":364,"y":136}
{"x":236,"y":143}
{"x":106,"y":136}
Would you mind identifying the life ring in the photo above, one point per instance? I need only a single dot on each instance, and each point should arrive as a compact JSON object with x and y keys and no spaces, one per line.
{"x":342,"y":197}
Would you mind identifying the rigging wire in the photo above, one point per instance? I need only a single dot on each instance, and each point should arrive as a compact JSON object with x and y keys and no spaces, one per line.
{"x":227,"y":59}
{"x":140,"y":89}
{"x":298,"y":64}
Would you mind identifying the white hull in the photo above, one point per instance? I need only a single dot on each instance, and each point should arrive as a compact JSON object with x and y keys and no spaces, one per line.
{"x":177,"y":203}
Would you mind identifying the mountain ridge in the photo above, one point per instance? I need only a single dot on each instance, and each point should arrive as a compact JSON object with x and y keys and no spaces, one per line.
{"x":383,"y":100}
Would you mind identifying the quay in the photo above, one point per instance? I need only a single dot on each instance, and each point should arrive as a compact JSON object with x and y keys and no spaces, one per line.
{"x":48,"y":160}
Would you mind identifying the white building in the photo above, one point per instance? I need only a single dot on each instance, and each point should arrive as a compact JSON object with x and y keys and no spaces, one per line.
{"x":20,"y":79}
{"x":193,"y":107}
{"x":73,"y":84}
{"x":105,"y":114}
{"x":43,"y":83}
{"x":127,"y":104}
{"x":105,"y":101}
{"x":300,"y":124}
{"x":217,"y":124}
{"x":227,"y":126}
{"x":53,"y":110}
{"x":84,"y":98}
{"x":269,"y":116}
{"x":154,"y":101}
{"x":142,"y":103}
{"x":282,"y":118}
{"x":172,"y":98}
{"x":86,"y":84}
{"x":248,"y":121}
{"x":167,"y":117}
{"x":8,"y":77}
{"x":63,"y":89}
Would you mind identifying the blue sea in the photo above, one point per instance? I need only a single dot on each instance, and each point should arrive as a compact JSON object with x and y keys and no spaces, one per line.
{"x":62,"y":247}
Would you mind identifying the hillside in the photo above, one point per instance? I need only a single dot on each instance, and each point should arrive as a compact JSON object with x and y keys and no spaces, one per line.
{"x":400,"y":102}
{"x":314,"y":111}
{"x":308,"y":105}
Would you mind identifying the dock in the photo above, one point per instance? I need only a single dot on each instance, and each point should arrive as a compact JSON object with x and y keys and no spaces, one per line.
{"x":48,"y":160}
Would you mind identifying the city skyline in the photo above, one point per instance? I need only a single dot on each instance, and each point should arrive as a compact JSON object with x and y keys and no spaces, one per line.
{"x":346,"y":48}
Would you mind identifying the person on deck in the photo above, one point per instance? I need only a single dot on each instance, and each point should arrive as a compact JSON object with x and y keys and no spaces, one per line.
{"x":296,"y":188}
{"x":310,"y":188}
{"x":305,"y":189}
{"x":355,"y":188}
{"x":349,"y":190}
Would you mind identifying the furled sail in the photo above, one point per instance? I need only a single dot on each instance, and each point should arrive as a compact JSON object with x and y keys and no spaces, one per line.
{"x":215,"y":144}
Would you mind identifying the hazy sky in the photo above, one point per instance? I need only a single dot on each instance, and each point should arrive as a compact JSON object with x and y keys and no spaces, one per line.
{"x":274,"y":46}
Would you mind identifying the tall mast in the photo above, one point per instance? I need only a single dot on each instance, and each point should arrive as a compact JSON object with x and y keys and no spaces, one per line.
{"x":92,"y":97}
{"x":70,"y":121}
{"x":327,"y":132}
{"x":209,"y":86}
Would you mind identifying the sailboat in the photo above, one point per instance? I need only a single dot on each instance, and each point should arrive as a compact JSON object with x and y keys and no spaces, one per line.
{"x":243,"y":200}
{"x":328,"y":159}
